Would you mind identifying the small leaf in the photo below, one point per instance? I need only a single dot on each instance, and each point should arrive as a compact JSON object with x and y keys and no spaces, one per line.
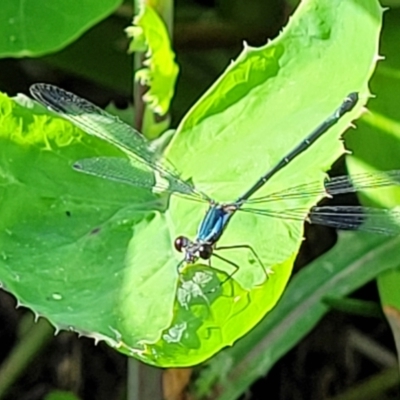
{"x":60,"y":395}
{"x":160,"y":70}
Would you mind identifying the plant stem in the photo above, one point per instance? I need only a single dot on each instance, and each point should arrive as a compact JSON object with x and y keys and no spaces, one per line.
{"x":145,"y":382}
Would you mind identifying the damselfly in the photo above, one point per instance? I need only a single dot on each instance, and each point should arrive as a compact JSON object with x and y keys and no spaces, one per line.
{"x":99,"y":123}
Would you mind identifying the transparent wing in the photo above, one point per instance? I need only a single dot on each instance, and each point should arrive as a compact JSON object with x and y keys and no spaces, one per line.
{"x":94,"y":120}
{"x":334,"y":186}
{"x":367,"y":219}
{"x":125,"y":171}
{"x":97,"y":122}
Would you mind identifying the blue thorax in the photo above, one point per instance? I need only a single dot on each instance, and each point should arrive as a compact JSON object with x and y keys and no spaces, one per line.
{"x":214,"y":223}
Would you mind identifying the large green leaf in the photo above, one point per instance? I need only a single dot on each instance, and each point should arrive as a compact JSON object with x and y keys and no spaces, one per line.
{"x":257,"y":111}
{"x":98,"y":256}
{"x":39,"y":27}
{"x":266,"y":103}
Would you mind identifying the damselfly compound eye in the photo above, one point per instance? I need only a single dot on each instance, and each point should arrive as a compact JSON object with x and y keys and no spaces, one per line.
{"x":180,"y":243}
{"x":205,"y":251}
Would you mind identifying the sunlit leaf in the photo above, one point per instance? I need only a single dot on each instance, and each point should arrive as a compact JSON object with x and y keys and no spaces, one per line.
{"x":150,"y":34}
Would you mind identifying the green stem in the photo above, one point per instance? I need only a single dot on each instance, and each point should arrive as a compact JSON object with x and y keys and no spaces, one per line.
{"x":145,"y":382}
{"x":23,"y":353}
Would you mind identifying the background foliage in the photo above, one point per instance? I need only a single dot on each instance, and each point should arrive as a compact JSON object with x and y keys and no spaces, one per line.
{"x":206,"y":37}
